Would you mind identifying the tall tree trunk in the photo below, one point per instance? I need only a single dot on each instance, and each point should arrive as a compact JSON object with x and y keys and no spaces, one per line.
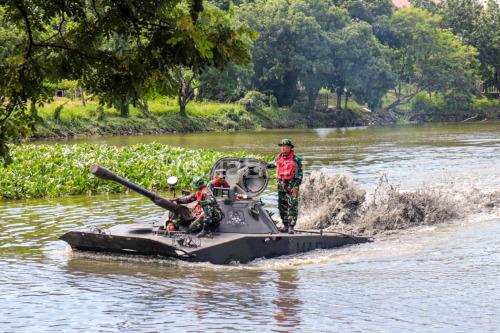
{"x":82,"y":96}
{"x":497,"y":83}
{"x":124,"y":107}
{"x":143,"y":106}
{"x":182,"y":105}
{"x":312,"y":95}
{"x":4,"y":152}
{"x":339,"y":99}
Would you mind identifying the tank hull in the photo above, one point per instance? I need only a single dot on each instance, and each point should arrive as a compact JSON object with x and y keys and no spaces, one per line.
{"x":223,"y":248}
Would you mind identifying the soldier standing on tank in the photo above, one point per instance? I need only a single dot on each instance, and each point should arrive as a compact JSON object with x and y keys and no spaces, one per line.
{"x":289,"y":176}
{"x":208,"y":213}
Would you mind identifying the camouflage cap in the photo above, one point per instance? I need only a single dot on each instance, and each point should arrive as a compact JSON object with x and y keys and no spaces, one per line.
{"x":286,"y":142}
{"x":198,"y":182}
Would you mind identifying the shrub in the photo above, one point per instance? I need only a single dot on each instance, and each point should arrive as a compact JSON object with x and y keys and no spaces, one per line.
{"x":254,"y":101}
{"x":57,"y":113}
{"x":489,"y":108}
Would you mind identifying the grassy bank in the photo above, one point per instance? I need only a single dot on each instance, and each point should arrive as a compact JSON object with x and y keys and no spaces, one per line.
{"x":75,"y":120}
{"x":58,"y":170}
{"x":68,"y":118}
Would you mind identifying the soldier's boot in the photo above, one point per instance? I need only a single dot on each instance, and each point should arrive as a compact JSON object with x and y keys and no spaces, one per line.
{"x":284,"y":228}
{"x":205,"y":232}
{"x":290,"y":229}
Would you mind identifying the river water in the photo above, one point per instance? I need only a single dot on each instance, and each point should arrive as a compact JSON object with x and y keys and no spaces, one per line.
{"x":441,"y":278}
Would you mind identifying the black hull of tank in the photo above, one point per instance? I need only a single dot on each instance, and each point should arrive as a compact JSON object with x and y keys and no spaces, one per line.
{"x":222,"y":249}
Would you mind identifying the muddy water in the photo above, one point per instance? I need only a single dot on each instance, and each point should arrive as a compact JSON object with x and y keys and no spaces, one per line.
{"x":441,"y":278}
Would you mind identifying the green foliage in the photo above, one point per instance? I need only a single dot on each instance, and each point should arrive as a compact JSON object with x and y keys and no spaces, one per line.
{"x":57,"y":113}
{"x":429,"y":5}
{"x":478,"y":26}
{"x":294,"y":44}
{"x":368,"y":11}
{"x":254,"y":101}
{"x":58,"y":170}
{"x":449,"y":107}
{"x":431,"y":58}
{"x":227,"y":85}
{"x":423,"y":104}
{"x":364,"y":65}
{"x":487,"y":108}
{"x":117,"y":50}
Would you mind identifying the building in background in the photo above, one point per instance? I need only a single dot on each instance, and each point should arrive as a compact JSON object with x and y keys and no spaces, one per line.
{"x":404,"y":3}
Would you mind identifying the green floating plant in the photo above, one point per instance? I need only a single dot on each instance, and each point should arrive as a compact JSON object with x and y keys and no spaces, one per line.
{"x":51,"y":170}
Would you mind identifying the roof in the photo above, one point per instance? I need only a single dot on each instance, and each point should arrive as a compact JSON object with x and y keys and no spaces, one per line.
{"x":401,"y":3}
{"x":404,"y":3}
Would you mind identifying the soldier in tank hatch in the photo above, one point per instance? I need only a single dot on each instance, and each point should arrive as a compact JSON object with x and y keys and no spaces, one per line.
{"x":219,"y":181}
{"x":289,"y":176}
{"x":208,"y":213}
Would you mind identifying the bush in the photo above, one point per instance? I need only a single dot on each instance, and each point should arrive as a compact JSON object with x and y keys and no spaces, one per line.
{"x":57,"y":113}
{"x":423,"y":104}
{"x":488,"y":108}
{"x":300,"y":107}
{"x":254,"y":101}
{"x":100,"y":113}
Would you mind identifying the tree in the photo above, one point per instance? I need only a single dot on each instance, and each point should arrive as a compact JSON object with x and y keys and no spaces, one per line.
{"x":461,"y":16}
{"x":294,"y":48}
{"x":429,"y":5}
{"x":115,"y":48}
{"x":363,"y":66}
{"x":227,"y":85}
{"x":367,"y":11}
{"x":186,"y":85}
{"x":432,"y":59}
{"x":478,"y":26}
{"x":487,"y":41}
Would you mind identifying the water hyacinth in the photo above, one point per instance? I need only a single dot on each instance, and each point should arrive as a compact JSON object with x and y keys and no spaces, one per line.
{"x":57,"y":170}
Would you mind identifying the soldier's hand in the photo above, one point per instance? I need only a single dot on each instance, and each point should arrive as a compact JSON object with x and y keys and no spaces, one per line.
{"x":295,"y":192}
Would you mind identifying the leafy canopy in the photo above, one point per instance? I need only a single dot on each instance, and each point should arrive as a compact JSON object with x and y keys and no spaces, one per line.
{"x":115,"y":48}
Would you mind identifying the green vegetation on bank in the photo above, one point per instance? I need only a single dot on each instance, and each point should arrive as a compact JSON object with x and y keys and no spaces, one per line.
{"x":67,"y":118}
{"x":39,"y":171}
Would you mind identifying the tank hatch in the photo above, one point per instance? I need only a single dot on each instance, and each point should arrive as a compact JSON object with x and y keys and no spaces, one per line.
{"x":246,"y":175}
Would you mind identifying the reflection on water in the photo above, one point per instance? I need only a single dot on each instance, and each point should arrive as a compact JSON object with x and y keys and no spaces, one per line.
{"x":442,"y":278}
{"x":287,"y":302}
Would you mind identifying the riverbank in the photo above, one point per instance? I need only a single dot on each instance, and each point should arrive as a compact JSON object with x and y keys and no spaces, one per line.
{"x":65,"y":118}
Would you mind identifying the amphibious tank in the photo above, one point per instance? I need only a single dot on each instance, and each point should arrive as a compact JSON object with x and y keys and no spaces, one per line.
{"x":247,"y":231}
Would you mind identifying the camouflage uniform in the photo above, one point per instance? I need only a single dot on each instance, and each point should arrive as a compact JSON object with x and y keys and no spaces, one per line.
{"x":208,"y":215}
{"x":288,"y":204}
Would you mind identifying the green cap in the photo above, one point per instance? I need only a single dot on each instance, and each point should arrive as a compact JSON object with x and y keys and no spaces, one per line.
{"x":198,"y":182}
{"x":286,"y":142}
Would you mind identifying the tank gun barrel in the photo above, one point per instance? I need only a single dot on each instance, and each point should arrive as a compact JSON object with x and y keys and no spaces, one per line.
{"x":182,"y":211}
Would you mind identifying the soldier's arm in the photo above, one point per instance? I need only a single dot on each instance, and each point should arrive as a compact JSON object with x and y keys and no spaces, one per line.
{"x":186,"y":199}
{"x":272,"y":165}
{"x":299,"y":174}
{"x":205,"y":203}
